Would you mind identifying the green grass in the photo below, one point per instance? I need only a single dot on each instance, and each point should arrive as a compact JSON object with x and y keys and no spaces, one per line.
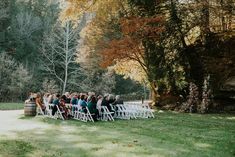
{"x":11,"y":106}
{"x":15,"y":148}
{"x":169,"y":134}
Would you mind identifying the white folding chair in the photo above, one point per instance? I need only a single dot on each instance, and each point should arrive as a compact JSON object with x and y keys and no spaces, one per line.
{"x":48,"y":110}
{"x":73,"y":110}
{"x":78,"y":114}
{"x":139,"y":111}
{"x":106,"y":114}
{"x":122,"y":113}
{"x":148,"y":112}
{"x":114,"y":109}
{"x":59,"y":113}
{"x":89,"y":115}
{"x":131,"y":111}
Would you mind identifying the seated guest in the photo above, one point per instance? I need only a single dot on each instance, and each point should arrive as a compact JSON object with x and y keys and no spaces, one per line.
{"x":90,"y":95}
{"x":56,"y":102}
{"x":111,"y":98}
{"x":39,"y":103}
{"x":31,"y":98}
{"x":92,"y":108}
{"x":62,"y":107}
{"x":45,"y":98}
{"x":74,"y":100}
{"x":66,"y":97}
{"x":99,"y":102}
{"x":105,"y":102}
{"x":82,"y":103}
{"x":50,"y":99}
{"x":117,"y":100}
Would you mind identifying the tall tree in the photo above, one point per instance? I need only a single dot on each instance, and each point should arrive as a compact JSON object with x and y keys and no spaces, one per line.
{"x":59,"y":51}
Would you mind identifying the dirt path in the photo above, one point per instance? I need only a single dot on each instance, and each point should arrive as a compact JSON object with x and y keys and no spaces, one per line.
{"x":10,"y":122}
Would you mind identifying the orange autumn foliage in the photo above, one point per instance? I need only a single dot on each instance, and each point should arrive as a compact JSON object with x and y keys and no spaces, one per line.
{"x":129,"y":47}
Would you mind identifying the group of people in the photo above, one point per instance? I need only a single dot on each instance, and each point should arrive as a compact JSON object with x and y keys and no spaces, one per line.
{"x":83,"y":101}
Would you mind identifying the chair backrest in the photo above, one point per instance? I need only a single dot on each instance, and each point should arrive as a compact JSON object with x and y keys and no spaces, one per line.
{"x":112,"y":107}
{"x":119,"y":107}
{"x":105,"y":109}
{"x":59,"y":112}
{"x":146,"y":106}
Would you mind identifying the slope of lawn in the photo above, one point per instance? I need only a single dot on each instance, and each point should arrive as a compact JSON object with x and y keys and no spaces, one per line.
{"x":169,"y":134}
{"x":11,"y":106}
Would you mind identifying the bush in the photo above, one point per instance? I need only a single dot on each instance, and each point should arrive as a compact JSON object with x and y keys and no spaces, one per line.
{"x":13,"y":79}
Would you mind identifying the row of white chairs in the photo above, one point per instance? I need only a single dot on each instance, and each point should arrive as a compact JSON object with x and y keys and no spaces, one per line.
{"x":77,"y":113}
{"x":122,"y":111}
{"x":48,"y":112}
{"x":133,"y":111}
{"x":81,"y":114}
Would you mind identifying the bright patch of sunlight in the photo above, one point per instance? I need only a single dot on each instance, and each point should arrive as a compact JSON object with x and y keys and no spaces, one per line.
{"x":202,"y":145}
{"x":231,"y":118}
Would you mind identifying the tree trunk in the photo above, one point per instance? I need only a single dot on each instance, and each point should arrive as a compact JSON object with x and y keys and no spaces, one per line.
{"x":154,"y":93}
{"x":205,"y":17}
{"x":66,"y":57}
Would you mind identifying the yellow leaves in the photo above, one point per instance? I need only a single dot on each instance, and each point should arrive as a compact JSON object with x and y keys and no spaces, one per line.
{"x":130,"y":69}
{"x":192,"y":35}
{"x":75,"y":8}
{"x":104,"y":9}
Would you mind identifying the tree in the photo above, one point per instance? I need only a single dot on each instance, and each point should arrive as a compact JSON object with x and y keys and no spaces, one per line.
{"x":49,"y":86}
{"x":130,"y":32}
{"x":59,"y":52}
{"x":13,"y":79}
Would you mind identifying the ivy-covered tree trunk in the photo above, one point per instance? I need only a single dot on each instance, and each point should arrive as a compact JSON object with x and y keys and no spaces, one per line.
{"x":154,"y":93}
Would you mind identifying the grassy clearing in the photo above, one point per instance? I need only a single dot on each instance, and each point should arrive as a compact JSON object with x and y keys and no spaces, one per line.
{"x":15,"y":148}
{"x":11,"y":106}
{"x":170,"y":134}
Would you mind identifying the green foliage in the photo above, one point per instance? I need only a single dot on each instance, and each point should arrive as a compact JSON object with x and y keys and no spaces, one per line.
{"x":126,"y":86}
{"x":162,"y":57}
{"x":21,"y":32}
{"x":50,"y":86}
{"x":13,"y":78}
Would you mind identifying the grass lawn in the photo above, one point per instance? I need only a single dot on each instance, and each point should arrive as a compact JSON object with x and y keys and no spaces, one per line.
{"x":169,"y":134}
{"x":11,"y":106}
